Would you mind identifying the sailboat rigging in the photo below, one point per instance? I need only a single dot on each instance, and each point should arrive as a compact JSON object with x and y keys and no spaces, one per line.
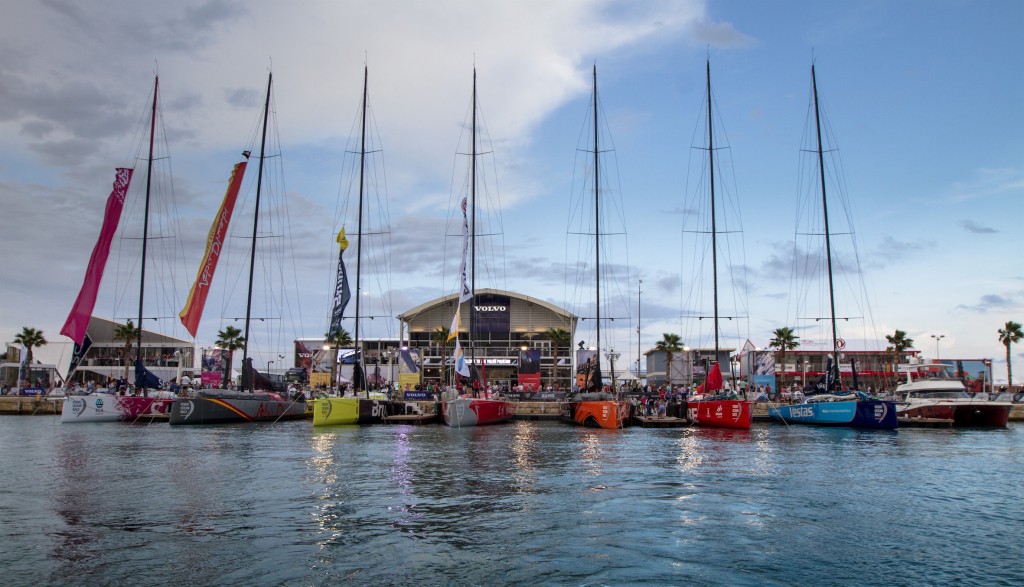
{"x":711,"y":407}
{"x":475,"y":407}
{"x":260,"y":400}
{"x":591,"y":405}
{"x":353,"y":410}
{"x":829,"y":404}
{"x":123,"y":407}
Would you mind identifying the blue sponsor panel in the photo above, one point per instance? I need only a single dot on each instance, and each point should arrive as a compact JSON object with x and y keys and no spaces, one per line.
{"x":876,"y":414}
{"x":418,"y":395}
{"x":822,"y":413}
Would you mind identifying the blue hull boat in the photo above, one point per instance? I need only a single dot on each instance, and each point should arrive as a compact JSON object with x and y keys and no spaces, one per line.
{"x":855,"y":413}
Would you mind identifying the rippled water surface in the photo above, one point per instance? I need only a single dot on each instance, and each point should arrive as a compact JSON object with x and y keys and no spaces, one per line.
{"x":522,"y":503}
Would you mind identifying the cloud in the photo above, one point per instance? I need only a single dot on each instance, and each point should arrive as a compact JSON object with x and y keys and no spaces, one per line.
{"x":989,"y":302}
{"x":988,"y":183}
{"x":973,"y":227}
{"x":718,"y":34}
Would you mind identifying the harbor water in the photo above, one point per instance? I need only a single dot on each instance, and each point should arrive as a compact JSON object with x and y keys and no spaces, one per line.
{"x":522,"y":503}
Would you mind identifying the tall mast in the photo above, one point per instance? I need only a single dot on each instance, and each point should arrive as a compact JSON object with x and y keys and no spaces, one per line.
{"x":472,"y":230}
{"x":714,"y":227}
{"x":597,"y":226}
{"x":824,"y":208}
{"x":255,"y":226}
{"x":638,"y":285}
{"x":359,"y":226}
{"x":145,"y":215}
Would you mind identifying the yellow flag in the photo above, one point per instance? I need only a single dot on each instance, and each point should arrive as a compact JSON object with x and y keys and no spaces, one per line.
{"x":341,"y":240}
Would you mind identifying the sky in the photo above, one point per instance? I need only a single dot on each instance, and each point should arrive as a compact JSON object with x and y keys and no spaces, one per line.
{"x":923,"y":97}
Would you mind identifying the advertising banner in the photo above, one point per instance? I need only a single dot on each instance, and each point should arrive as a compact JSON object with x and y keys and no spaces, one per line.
{"x":529,"y":369}
{"x":214,"y":365}
{"x":491,"y":314}
{"x":313,"y":358}
{"x":586,"y":368}
{"x":409,"y":369}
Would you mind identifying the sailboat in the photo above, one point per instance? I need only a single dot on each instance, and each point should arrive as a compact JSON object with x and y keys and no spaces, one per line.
{"x":711,"y":407}
{"x":829,"y":404}
{"x":473,"y":408}
{"x":148,"y":399}
{"x":352,"y":410}
{"x":592,"y":406}
{"x":222,"y":406}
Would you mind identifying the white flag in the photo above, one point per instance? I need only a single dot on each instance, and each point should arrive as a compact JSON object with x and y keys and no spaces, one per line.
{"x":466,"y":293}
{"x":460,"y":361}
{"x":453,"y":331}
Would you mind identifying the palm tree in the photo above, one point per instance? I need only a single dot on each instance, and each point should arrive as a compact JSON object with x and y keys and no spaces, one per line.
{"x":230,"y":339}
{"x":31,"y":338}
{"x":340,"y":339}
{"x":669,"y":343}
{"x":898,"y":342}
{"x":440,"y":337}
{"x":783,"y":339}
{"x":559,"y":337}
{"x":128,"y":333}
{"x":1008,"y":334}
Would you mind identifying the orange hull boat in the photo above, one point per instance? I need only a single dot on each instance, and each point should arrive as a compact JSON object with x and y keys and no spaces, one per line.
{"x":722,"y":413}
{"x":608,"y":414}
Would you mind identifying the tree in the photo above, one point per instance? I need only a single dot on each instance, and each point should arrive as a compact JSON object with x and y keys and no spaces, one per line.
{"x":128,"y":333}
{"x":898,"y":342}
{"x":783,"y":339}
{"x":669,"y":343}
{"x":1008,"y":334}
{"x":559,"y":337}
{"x":31,"y":338}
{"x":440,"y":337}
{"x":340,"y":339}
{"x":230,"y":339}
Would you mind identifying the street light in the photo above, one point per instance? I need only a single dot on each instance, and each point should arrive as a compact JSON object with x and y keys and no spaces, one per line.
{"x":269,"y":363}
{"x":611,"y":355}
{"x":937,"y":338}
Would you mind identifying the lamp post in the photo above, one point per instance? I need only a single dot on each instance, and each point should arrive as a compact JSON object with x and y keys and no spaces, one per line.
{"x":689,"y":371}
{"x":937,"y":338}
{"x":611,"y":355}
{"x":269,"y":363}
{"x":334,"y":361}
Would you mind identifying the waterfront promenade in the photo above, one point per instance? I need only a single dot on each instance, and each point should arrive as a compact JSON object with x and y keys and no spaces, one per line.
{"x":42,"y":406}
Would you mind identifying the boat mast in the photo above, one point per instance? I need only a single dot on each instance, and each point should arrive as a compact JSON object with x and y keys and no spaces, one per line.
{"x":472,"y":230}
{"x":597,"y":230}
{"x":828,"y":239}
{"x":714,"y":228}
{"x":255,"y":226}
{"x":359,"y":228}
{"x":145,"y":215}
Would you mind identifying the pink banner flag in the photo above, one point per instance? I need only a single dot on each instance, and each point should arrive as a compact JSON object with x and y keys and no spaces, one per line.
{"x":78,"y":320}
{"x":193,"y":310}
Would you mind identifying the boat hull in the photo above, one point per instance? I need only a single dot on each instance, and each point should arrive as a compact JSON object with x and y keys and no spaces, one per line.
{"x":466,"y":411}
{"x":112,"y":408}
{"x":963,"y":415}
{"x":875,"y":414}
{"x":730,"y":413}
{"x":607,"y":414}
{"x":330,"y":411}
{"x":234,"y":407}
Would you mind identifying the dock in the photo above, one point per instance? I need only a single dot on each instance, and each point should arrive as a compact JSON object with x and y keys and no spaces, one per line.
{"x":925,"y":423}
{"x":659,"y":422}
{"x":30,"y":405}
{"x":415,"y":419}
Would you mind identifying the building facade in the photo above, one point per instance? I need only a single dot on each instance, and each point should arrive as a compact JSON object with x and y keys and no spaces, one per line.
{"x":508,"y":330}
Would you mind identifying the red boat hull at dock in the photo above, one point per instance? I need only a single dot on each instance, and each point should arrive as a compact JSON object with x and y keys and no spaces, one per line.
{"x":728,"y":413}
